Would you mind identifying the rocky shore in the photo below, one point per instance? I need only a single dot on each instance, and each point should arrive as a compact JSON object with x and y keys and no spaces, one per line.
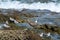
{"x":18,"y":35}
{"x":28,"y":24}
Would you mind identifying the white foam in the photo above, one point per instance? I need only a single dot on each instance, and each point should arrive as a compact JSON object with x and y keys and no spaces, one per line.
{"x":18,"y":5}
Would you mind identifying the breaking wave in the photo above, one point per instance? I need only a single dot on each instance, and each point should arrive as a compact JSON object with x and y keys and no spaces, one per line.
{"x":19,"y":5}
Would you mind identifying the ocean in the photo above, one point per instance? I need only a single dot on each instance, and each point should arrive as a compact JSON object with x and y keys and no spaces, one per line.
{"x":52,"y":5}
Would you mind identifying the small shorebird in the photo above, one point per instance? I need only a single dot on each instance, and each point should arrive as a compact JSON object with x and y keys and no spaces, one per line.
{"x":48,"y":34}
{"x":7,"y":22}
{"x":41,"y":35}
{"x":6,"y":26}
{"x":32,"y":23}
{"x":36,"y":21}
{"x":16,"y":21}
{"x":11,"y":19}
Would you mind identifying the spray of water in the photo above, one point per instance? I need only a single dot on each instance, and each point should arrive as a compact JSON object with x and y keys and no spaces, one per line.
{"x":35,"y":5}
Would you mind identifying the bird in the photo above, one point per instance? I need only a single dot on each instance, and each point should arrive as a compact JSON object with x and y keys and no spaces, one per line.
{"x":48,"y":34}
{"x":16,"y":21}
{"x":36,"y":21}
{"x":7,"y":22}
{"x":41,"y":35}
{"x":6,"y":26}
{"x":11,"y":19}
{"x":31,"y":23}
{"x":45,"y":35}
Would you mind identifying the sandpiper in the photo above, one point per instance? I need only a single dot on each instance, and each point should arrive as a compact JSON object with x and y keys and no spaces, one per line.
{"x":11,"y":19}
{"x":16,"y":21}
{"x":6,"y":26}
{"x":7,"y":22}
{"x":48,"y":34}
{"x":32,"y":23}
{"x":36,"y":21}
{"x":41,"y":35}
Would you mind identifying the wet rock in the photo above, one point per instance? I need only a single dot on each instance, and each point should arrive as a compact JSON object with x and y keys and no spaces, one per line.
{"x":3,"y":18}
{"x":49,"y":28}
{"x":18,"y":35}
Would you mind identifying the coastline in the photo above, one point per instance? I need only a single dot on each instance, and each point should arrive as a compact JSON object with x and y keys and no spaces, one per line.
{"x":47,"y":21}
